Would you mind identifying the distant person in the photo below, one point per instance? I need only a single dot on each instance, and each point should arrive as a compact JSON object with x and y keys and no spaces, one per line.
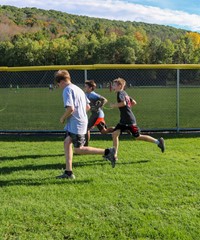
{"x":110,"y":86}
{"x":96,"y":118}
{"x":50,"y":87}
{"x":76,"y":104}
{"x":127,"y":119}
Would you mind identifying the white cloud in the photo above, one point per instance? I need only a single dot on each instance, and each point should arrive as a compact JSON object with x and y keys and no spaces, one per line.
{"x":116,"y":9}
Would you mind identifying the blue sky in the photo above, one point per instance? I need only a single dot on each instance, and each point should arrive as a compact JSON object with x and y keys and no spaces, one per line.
{"x":183,"y":14}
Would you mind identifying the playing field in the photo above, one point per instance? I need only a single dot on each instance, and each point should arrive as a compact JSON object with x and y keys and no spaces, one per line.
{"x":148,"y":195}
{"x":40,"y":109}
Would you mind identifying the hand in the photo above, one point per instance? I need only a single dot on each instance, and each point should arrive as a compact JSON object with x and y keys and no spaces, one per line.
{"x":62,"y":120}
{"x":98,"y":103}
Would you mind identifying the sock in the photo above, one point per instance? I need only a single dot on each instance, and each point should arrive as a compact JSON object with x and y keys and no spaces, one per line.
{"x":69,"y":173}
{"x":157,"y":142}
{"x":106,"y":151}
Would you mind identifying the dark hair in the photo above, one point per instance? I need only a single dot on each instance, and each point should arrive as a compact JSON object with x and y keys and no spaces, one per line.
{"x":91,"y":84}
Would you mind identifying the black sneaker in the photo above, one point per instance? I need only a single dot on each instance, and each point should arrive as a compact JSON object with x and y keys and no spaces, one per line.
{"x":161,"y":144}
{"x":65,"y":175}
{"x":111,"y":156}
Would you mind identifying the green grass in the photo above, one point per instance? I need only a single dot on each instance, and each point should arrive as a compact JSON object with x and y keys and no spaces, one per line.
{"x":148,"y":195}
{"x":39,"y":109}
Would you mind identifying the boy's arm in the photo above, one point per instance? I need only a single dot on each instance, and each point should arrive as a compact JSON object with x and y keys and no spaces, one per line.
{"x":123,"y":103}
{"x":68,"y":112}
{"x":133,"y":102}
{"x":118,"y":105}
{"x":101,"y":102}
{"x":88,"y":107}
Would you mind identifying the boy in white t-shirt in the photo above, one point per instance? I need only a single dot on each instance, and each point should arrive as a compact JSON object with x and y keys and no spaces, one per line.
{"x":76,"y":106}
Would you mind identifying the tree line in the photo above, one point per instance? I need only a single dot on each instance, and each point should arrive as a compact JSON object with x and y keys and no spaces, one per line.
{"x":33,"y":37}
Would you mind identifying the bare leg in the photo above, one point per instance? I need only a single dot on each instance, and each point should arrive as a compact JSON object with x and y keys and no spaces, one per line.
{"x":83,"y":150}
{"x":115,"y":136}
{"x":87,"y":138}
{"x":68,"y":153}
{"x":146,"y":138}
{"x":107,"y":130}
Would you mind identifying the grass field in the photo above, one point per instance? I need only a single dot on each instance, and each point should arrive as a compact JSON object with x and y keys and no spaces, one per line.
{"x":39,"y":109}
{"x":148,"y":195}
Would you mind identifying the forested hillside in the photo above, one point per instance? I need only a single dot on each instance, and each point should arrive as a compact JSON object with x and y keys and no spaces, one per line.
{"x":30,"y":36}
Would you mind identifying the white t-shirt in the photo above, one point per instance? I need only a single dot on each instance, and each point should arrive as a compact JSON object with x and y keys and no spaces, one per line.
{"x":74,"y":97}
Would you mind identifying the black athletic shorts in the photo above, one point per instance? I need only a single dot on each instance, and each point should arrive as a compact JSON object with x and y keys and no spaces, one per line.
{"x":78,"y":140}
{"x":133,"y":129}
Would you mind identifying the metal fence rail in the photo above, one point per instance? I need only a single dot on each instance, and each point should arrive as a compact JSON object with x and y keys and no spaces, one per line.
{"x":167,"y":96}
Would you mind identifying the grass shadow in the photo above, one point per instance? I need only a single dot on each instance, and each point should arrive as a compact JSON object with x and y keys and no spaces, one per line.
{"x":32,"y":156}
{"x":42,"y":181}
{"x":104,"y":162}
{"x":30,"y":167}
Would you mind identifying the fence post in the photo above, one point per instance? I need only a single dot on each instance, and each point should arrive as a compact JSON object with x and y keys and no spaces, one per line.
{"x":85,"y":74}
{"x":177,"y":99}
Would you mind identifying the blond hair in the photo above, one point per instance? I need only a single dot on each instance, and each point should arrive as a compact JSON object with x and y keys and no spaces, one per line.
{"x":120,"y":82}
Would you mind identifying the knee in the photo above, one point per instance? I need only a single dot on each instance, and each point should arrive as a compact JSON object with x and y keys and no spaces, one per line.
{"x":67,"y":142}
{"x":115,"y":134}
{"x":76,"y":151}
{"x":138,"y":137}
{"x":79,"y":150}
{"x":103,"y":131}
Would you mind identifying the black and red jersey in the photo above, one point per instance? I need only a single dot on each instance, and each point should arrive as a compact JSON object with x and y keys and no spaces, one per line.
{"x":126,"y":115}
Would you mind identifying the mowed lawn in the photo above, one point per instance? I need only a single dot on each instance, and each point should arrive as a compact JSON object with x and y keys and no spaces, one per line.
{"x":148,"y":195}
{"x":39,"y":109}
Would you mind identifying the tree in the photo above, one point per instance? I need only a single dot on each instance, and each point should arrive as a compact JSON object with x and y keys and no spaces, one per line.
{"x":195,"y":37}
{"x":184,"y":51}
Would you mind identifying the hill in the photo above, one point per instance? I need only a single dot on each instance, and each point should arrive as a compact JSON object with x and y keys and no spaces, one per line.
{"x":14,"y":21}
{"x":40,"y":36}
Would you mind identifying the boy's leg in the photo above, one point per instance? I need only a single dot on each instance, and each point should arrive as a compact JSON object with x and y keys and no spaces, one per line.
{"x":87,"y":138}
{"x":103,"y":128}
{"x":115,"y":136}
{"x":146,"y":138}
{"x":85,"y":150}
{"x":135,"y":131}
{"x":160,"y":142}
{"x":68,"y":158}
{"x":107,"y":130}
{"x":78,"y":141}
{"x":68,"y":153}
{"x":108,"y":154}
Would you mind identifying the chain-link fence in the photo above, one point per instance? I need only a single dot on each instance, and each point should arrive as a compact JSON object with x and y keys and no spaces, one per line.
{"x":167,"y":98}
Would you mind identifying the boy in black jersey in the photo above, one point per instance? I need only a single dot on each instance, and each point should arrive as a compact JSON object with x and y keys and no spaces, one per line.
{"x":127,"y":118}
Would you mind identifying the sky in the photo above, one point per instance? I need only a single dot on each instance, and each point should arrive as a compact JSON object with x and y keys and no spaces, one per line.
{"x":184,"y":14}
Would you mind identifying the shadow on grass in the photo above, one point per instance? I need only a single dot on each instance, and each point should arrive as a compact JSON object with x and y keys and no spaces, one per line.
{"x":33,"y":156}
{"x":104,"y":162}
{"x":53,"y":180}
{"x":31,"y":167}
{"x":42,"y":182}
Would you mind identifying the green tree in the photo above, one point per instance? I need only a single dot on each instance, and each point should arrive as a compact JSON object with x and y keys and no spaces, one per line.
{"x":166,"y":51}
{"x":184,"y":51}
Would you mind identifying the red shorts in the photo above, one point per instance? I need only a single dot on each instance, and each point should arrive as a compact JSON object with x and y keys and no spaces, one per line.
{"x":99,"y":120}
